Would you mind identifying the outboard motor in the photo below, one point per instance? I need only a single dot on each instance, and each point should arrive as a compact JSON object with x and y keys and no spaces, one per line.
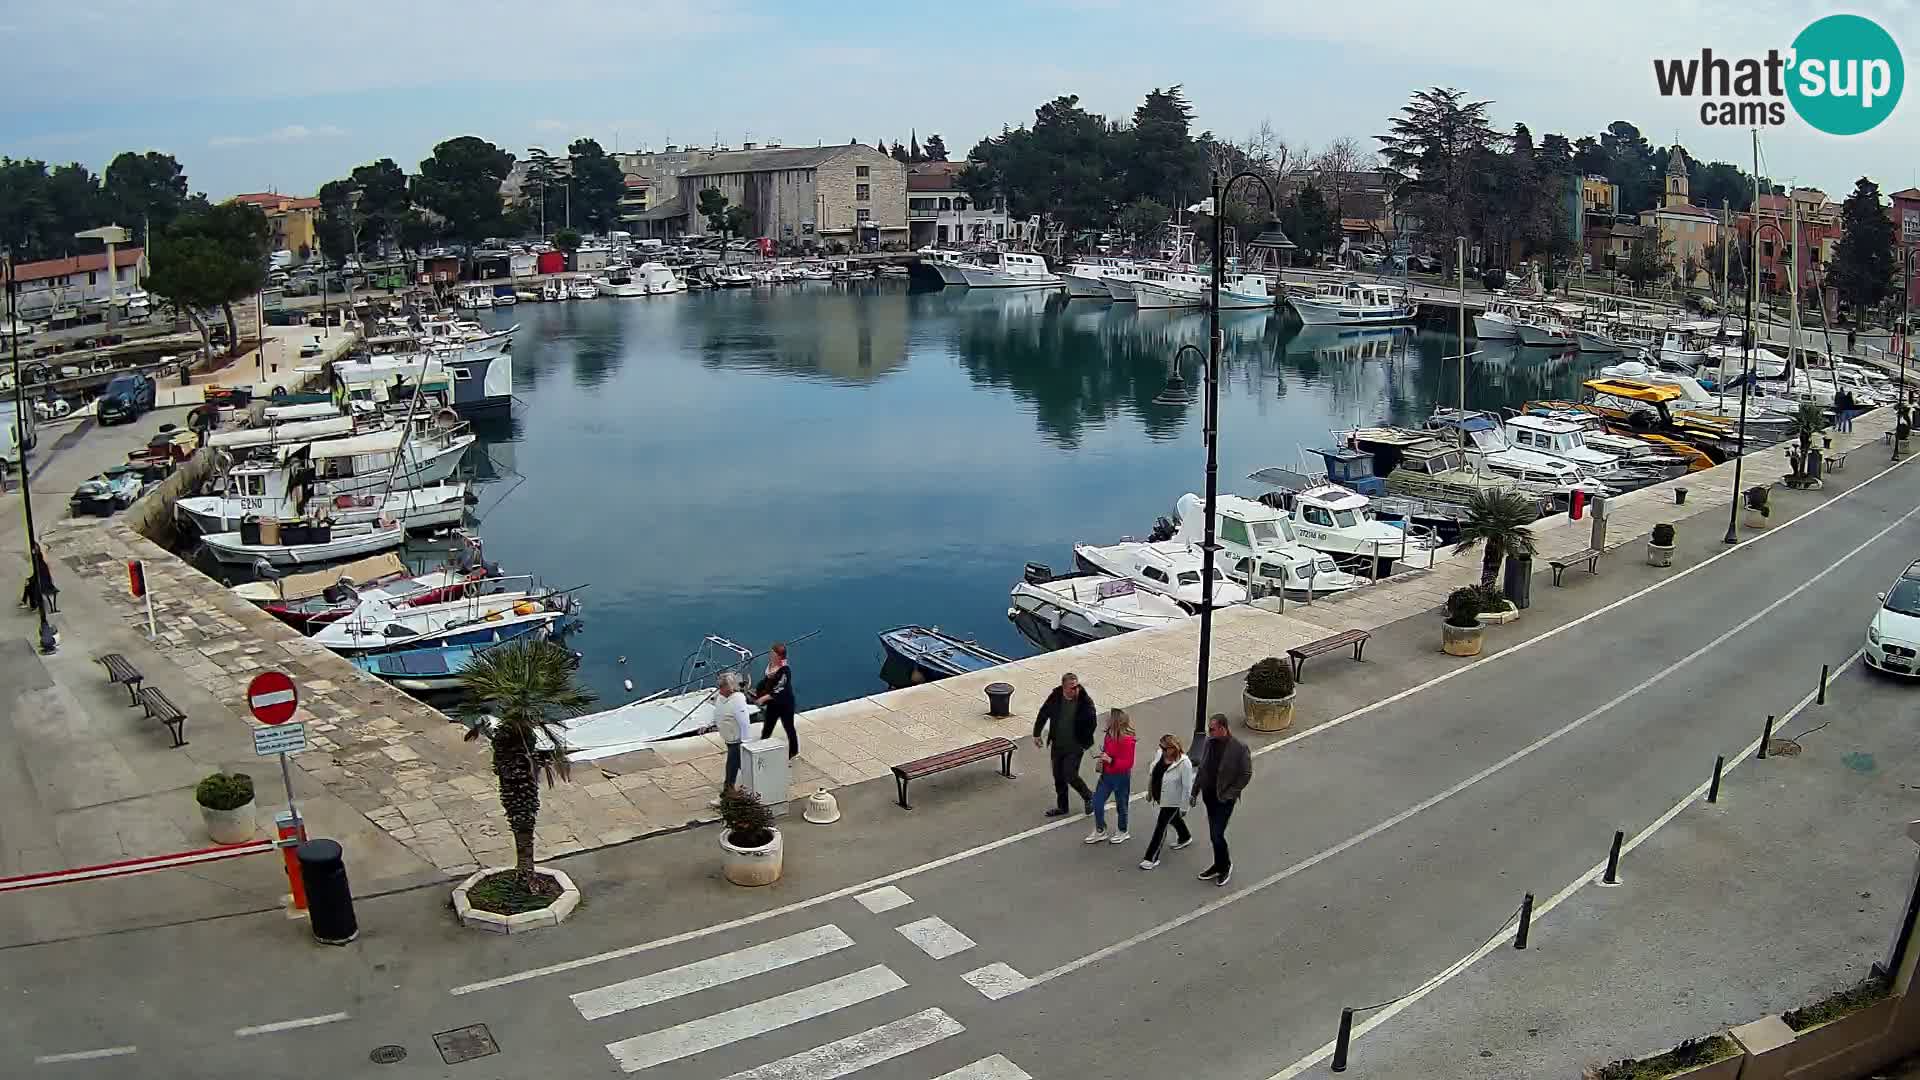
{"x":1038,"y":573}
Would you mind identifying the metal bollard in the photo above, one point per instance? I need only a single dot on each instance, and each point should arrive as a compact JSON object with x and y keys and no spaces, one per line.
{"x":1613,"y":860}
{"x":1526,"y":920}
{"x":1679,"y":496}
{"x":1713,"y":790}
{"x":329,"y":900}
{"x":1340,"y":1041}
{"x":1766,"y":737}
{"x":1825,"y":673}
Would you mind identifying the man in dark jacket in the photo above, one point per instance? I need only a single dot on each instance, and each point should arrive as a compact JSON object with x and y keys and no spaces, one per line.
{"x":1225,"y":766}
{"x":1067,"y":722}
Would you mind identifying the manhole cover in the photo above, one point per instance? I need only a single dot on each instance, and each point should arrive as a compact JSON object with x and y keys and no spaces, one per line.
{"x":387,"y":1055}
{"x":465,"y":1044}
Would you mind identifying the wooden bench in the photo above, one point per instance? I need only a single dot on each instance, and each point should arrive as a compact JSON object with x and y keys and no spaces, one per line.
{"x":1590,"y":556}
{"x":953,"y":759}
{"x":125,"y":674}
{"x":165,"y":711}
{"x":1301,"y":653}
{"x":1836,"y":460}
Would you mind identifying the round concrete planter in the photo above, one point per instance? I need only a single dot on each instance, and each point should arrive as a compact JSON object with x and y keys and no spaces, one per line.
{"x":1658,"y":555}
{"x":552,"y":915}
{"x":235,"y":826}
{"x":1505,"y":615}
{"x":754,"y":866}
{"x":1753,"y":519}
{"x":1461,"y":640}
{"x":1268,"y":714}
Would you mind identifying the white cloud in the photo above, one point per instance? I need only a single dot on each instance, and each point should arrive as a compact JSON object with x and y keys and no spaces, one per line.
{"x":292,"y":133}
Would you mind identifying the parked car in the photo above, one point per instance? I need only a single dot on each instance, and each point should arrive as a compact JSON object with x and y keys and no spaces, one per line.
{"x":1893,"y":634}
{"x":53,"y":408}
{"x":126,"y":398}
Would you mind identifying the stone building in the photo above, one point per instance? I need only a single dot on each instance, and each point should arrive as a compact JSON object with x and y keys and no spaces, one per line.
{"x":804,"y":196}
{"x":1684,"y":230}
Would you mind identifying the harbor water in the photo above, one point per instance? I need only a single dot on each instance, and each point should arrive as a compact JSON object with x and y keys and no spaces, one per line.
{"x":840,"y":459}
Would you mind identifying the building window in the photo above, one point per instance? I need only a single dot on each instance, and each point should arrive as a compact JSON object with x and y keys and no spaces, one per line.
{"x":1766,"y":248}
{"x":862,"y":170}
{"x":93,"y":277}
{"x":862,"y":192}
{"x":960,"y":205}
{"x":863,"y":214}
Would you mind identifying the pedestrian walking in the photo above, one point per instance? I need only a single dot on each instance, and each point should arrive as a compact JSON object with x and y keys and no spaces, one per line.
{"x":732,"y":718}
{"x":1226,"y":765}
{"x":39,"y":588}
{"x":774,"y":695}
{"x":1115,"y":763}
{"x":1066,"y":725}
{"x":1168,"y":789}
{"x":1842,"y":411}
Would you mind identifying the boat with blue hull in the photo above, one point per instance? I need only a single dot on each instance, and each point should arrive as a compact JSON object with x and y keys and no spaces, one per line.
{"x":438,"y":668}
{"x":917,"y":654}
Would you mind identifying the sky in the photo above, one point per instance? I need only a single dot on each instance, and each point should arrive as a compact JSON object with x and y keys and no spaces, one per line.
{"x":286,"y":96}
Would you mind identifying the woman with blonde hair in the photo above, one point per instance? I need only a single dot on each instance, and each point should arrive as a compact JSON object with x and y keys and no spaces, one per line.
{"x":1168,"y":789}
{"x":1116,"y":778}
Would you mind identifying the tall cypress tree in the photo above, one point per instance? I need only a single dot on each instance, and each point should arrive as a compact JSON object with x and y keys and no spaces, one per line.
{"x":1863,"y":265}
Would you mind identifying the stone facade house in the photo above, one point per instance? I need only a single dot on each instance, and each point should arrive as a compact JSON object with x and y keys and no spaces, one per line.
{"x":805,"y":196}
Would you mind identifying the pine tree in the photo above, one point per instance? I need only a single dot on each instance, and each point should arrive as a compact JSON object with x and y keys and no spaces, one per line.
{"x":1863,"y":264}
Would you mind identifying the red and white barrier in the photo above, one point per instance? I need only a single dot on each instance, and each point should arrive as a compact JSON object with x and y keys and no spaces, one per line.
{"x":136,"y":866}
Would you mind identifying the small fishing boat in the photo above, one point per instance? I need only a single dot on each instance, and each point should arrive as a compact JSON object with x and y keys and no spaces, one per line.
{"x":582,"y":288}
{"x":675,"y":712}
{"x":1259,"y":548}
{"x":1169,"y":567}
{"x":1055,"y":612}
{"x":376,"y":625}
{"x":300,"y":544}
{"x":926,"y":653}
{"x":337,"y":599}
{"x":1341,"y":522}
{"x":553,"y":290}
{"x":430,"y":669}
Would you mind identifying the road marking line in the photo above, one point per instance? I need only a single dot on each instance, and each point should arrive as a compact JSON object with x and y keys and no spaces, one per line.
{"x":289,"y":1025}
{"x":884,"y":899}
{"x":996,"y":1067}
{"x":85,"y":1055}
{"x":1427,"y":804}
{"x":855,"y":1052}
{"x":1745,"y":754}
{"x":936,"y":937}
{"x":996,"y":981}
{"x":990,"y":846}
{"x":758,"y":1018}
{"x":713,"y":971}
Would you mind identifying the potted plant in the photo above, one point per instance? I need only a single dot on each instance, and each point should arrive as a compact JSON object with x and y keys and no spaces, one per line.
{"x":1660,"y":546}
{"x":1495,"y":608}
{"x":1461,"y":634}
{"x":1808,"y":421}
{"x":1900,"y":435}
{"x":1497,"y":522}
{"x":1268,"y":698}
{"x":1758,"y":508}
{"x":226,"y":805}
{"x":754,"y":851}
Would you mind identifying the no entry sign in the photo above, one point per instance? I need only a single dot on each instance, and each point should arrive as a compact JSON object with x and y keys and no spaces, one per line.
{"x":272,"y":697}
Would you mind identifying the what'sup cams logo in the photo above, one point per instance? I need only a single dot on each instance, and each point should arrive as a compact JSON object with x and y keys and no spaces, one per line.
{"x":1843,"y":76}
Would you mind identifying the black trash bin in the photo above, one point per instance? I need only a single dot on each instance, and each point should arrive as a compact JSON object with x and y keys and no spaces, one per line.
{"x":323,"y":871}
{"x":1518,"y":582}
{"x":999,"y":699}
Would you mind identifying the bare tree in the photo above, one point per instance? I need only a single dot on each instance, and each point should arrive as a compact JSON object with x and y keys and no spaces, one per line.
{"x":1336,"y":170}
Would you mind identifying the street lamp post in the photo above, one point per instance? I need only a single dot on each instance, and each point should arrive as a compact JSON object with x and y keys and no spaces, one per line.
{"x":1746,"y":376}
{"x":48,"y":643}
{"x":1212,"y":429}
{"x":1906,"y":347}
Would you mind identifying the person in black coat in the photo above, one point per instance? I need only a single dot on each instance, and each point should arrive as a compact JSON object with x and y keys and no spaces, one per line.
{"x":1067,"y":723}
{"x":40,"y":588}
{"x":774,"y":695}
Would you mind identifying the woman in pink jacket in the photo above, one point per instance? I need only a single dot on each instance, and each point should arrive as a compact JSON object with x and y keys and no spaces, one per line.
{"x":1116,"y":778}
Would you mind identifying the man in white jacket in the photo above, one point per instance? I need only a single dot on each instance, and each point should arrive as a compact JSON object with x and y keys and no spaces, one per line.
{"x":731,"y":717}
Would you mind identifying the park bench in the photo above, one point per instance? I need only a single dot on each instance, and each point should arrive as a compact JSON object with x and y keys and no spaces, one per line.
{"x":953,"y":759}
{"x":1836,"y":460}
{"x":1301,"y":653}
{"x":121,"y":672}
{"x":165,"y":711}
{"x":1590,"y":556}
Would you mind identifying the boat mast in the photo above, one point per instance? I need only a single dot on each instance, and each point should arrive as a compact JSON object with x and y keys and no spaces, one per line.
{"x":1793,"y":290}
{"x":1460,"y":268}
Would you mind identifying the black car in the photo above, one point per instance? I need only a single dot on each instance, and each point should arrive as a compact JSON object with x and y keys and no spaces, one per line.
{"x":126,"y":398}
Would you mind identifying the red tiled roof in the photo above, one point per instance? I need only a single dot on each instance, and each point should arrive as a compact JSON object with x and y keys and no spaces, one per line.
{"x":1910,"y":193}
{"x":268,"y":200}
{"x":79,"y":264}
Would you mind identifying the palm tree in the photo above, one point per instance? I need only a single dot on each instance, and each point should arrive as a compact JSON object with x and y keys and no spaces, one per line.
{"x":516,"y":695}
{"x":1808,"y":420}
{"x":1500,"y":520}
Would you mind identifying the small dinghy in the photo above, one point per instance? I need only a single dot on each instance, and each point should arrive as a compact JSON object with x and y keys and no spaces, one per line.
{"x":917,"y":654}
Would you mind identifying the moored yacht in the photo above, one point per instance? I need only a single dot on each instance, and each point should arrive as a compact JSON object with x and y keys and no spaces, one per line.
{"x":1354,"y":304}
{"x":1009,"y":270}
{"x":1055,"y":612}
{"x":1170,"y":287}
{"x":1501,"y":320}
{"x":1169,"y":567}
{"x":1084,"y":278}
{"x":1260,"y":549}
{"x":1340,"y":522}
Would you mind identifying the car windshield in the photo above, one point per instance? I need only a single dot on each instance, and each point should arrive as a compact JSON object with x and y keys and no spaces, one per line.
{"x":121,"y":385}
{"x":1905,"y":597}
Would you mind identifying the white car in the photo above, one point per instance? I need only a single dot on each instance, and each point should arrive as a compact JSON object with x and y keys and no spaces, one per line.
{"x":1893,"y":637}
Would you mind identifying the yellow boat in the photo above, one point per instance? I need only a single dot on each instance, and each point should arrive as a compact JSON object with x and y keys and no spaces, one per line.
{"x":1640,"y":409}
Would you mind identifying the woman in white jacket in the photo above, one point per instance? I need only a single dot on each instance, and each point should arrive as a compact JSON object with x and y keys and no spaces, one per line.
{"x":1169,"y":789}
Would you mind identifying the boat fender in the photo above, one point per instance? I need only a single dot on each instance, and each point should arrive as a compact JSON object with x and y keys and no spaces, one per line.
{"x":1053,"y":619}
{"x":628,"y":684}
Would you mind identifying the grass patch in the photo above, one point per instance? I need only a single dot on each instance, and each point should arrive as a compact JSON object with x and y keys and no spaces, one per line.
{"x":1866,"y":992}
{"x":1687,"y":1055}
{"x":506,"y":893}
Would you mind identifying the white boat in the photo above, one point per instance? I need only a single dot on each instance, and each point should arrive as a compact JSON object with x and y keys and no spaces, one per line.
{"x":1120,"y":280}
{"x":260,"y":489}
{"x":582,"y":288}
{"x":298,"y":544}
{"x":1246,"y":291}
{"x":553,"y":290}
{"x":1685,"y":344}
{"x":366,"y":463}
{"x":1561,"y":439}
{"x":1009,"y":270}
{"x":506,"y":298}
{"x":1696,"y":400}
{"x":673,"y":713}
{"x":277,"y":434}
{"x":1169,"y":567}
{"x":1355,"y":305}
{"x":477,"y":620}
{"x":619,"y":282}
{"x":1085,"y":277}
{"x":1500,"y":322}
{"x":310,"y":410}
{"x":475,"y":296}
{"x":470,"y":383}
{"x":1595,"y":335}
{"x":1339,"y":521}
{"x":1170,"y":287}
{"x":1260,"y":548}
{"x":658,"y":279}
{"x":1057,"y":612}
{"x":946,"y":263}
{"x":1491,"y":453}
{"x":731,"y":277}
{"x":1545,"y":326}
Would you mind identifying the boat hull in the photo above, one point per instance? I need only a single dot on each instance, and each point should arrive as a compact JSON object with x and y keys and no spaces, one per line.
{"x":1595,"y":343}
{"x":418,"y":509}
{"x":949,"y":273}
{"x":983,"y":278}
{"x":1151,"y":296}
{"x":1541,"y":337}
{"x":227,"y":548}
{"x":1491,"y":329}
{"x":1313,"y":313}
{"x":1092,"y":288}
{"x":1120,"y":289}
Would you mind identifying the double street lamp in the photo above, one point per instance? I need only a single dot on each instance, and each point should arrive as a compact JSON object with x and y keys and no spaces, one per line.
{"x":1747,"y":375}
{"x":1211,"y":429}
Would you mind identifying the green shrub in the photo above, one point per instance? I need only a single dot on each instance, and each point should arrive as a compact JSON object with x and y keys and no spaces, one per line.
{"x":1464,"y":606}
{"x":748,"y":822}
{"x":224,"y":791}
{"x":1270,"y":678}
{"x":1663,"y":535}
{"x":1491,"y":598}
{"x":1690,"y":1053}
{"x":1837,"y":1004}
{"x":1757,"y":500}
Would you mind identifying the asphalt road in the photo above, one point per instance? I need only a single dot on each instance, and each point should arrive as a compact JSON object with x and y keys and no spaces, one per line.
{"x":1371,"y":854}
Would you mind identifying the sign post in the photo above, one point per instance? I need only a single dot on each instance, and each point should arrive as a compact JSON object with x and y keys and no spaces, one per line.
{"x":137,"y":585}
{"x":274,"y":699}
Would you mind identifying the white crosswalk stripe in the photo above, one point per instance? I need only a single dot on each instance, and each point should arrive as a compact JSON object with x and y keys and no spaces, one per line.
{"x":996,"y":1067}
{"x":843,"y":1057}
{"x":936,"y":937}
{"x":714,"y":971}
{"x":758,"y":1018}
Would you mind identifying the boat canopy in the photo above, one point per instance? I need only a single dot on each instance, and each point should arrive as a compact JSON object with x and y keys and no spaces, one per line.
{"x":378,"y":442}
{"x":299,"y":431}
{"x":315,"y":582}
{"x":1633,"y":390}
